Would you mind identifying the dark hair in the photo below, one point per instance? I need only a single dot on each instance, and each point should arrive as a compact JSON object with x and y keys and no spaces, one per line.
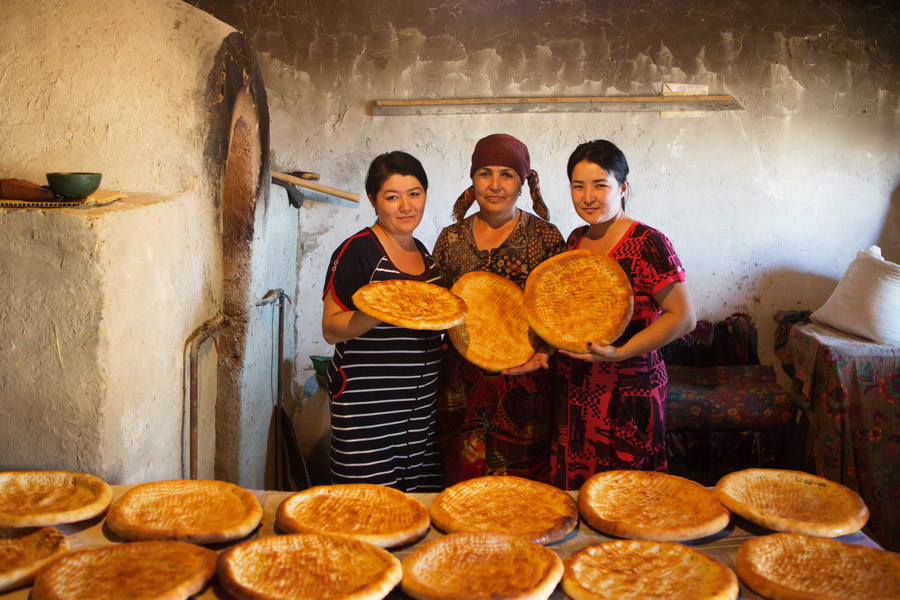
{"x":603,"y":153}
{"x":393,"y":163}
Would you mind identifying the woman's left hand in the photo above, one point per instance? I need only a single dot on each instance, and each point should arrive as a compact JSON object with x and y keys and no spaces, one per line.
{"x":599,"y":353}
{"x":538,"y":361}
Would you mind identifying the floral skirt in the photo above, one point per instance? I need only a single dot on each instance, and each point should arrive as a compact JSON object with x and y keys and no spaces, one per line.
{"x":492,"y":424}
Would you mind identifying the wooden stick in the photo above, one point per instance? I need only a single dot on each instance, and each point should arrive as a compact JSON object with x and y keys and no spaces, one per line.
{"x":305,"y":175}
{"x":612,"y":99}
{"x":585,"y":104}
{"x":316,"y":187}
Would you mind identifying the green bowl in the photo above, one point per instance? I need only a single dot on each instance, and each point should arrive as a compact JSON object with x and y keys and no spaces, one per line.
{"x":74,"y":186}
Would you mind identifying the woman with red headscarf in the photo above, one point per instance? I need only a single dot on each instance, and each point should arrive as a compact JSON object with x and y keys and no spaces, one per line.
{"x":496,"y":424}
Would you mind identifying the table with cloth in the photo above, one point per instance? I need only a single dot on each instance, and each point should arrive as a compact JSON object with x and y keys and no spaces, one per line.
{"x":722,"y":546}
{"x":849,"y":389}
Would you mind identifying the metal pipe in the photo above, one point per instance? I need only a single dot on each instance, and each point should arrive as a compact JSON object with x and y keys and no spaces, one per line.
{"x":193,"y":344}
{"x":271,"y":297}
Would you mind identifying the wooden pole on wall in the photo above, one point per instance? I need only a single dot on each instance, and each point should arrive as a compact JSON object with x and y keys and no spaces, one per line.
{"x":316,"y":187}
{"x":553,"y":105}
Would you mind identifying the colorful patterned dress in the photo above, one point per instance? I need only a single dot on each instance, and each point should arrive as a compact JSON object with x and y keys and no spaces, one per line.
{"x":382,"y":384}
{"x":491,"y":424}
{"x":612,"y":415}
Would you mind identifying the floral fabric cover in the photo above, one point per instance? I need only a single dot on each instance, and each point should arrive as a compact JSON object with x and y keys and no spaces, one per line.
{"x":850,"y":390}
{"x":742,"y":397}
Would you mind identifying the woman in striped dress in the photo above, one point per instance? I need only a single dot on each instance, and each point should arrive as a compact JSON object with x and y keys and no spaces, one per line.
{"x":382,"y":381}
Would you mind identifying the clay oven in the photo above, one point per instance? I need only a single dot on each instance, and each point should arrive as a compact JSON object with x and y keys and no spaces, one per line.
{"x":99,"y":302}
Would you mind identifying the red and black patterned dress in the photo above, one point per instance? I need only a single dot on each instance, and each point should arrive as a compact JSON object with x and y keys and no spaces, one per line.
{"x":488,"y":423}
{"x":612,"y":415}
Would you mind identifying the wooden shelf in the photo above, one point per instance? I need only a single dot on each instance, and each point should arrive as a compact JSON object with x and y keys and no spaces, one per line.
{"x":463,"y":106}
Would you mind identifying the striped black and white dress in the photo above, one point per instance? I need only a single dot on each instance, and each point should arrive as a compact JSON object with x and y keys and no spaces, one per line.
{"x":382,"y":384}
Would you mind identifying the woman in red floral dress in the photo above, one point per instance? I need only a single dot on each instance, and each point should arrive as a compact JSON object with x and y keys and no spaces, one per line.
{"x":496,"y":423}
{"x":611,"y":403}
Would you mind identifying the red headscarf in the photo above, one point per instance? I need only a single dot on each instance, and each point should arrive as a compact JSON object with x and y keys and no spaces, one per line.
{"x":501,"y":150}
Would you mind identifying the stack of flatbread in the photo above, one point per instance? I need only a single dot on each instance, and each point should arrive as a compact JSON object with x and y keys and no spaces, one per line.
{"x":793,"y":501}
{"x":646,"y":505}
{"x":203,"y":512}
{"x":411,"y":304}
{"x":578,"y":297}
{"x":495,"y":334}
{"x":376,"y":514}
{"x":527,"y":509}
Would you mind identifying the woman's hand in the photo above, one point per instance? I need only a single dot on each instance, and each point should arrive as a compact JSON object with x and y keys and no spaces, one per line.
{"x":538,"y":361}
{"x":599,"y":353}
{"x":677,"y":318}
{"x":339,"y":325}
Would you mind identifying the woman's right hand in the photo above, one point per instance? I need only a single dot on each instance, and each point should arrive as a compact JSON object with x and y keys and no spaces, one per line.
{"x":339,"y":325}
{"x":599,"y":353}
{"x":539,"y":360}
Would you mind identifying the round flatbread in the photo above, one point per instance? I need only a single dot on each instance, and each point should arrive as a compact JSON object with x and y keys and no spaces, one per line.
{"x":309,"y":566}
{"x":495,"y":334}
{"x":646,"y":505}
{"x":481,"y":566}
{"x":145,"y":570}
{"x":793,"y":501}
{"x":793,"y":566}
{"x":22,"y":558}
{"x":527,"y":509}
{"x":42,"y":498}
{"x":376,"y":514}
{"x":578,"y":297}
{"x":411,"y":304}
{"x":203,"y":512}
{"x":639,"y":570}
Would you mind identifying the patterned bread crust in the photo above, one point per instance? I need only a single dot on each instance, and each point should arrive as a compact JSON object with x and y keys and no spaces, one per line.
{"x":22,"y":558}
{"x":146,"y":570}
{"x":794,"y":566}
{"x":411,"y":304}
{"x":495,"y":334}
{"x":41,"y":498}
{"x":203,"y":512}
{"x":646,"y":505}
{"x":481,"y":566}
{"x":793,"y":501}
{"x":309,"y":566}
{"x":526,"y":509}
{"x":576,"y":297}
{"x":637,"y":570}
{"x":376,"y":514}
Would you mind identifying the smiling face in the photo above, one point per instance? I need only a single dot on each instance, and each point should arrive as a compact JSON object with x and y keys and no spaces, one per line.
{"x":497,"y":189}
{"x":400,"y":204}
{"x":596,"y":194}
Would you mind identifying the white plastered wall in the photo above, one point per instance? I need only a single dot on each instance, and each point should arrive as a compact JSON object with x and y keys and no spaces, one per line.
{"x":765,"y":206}
{"x":274,"y":252}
